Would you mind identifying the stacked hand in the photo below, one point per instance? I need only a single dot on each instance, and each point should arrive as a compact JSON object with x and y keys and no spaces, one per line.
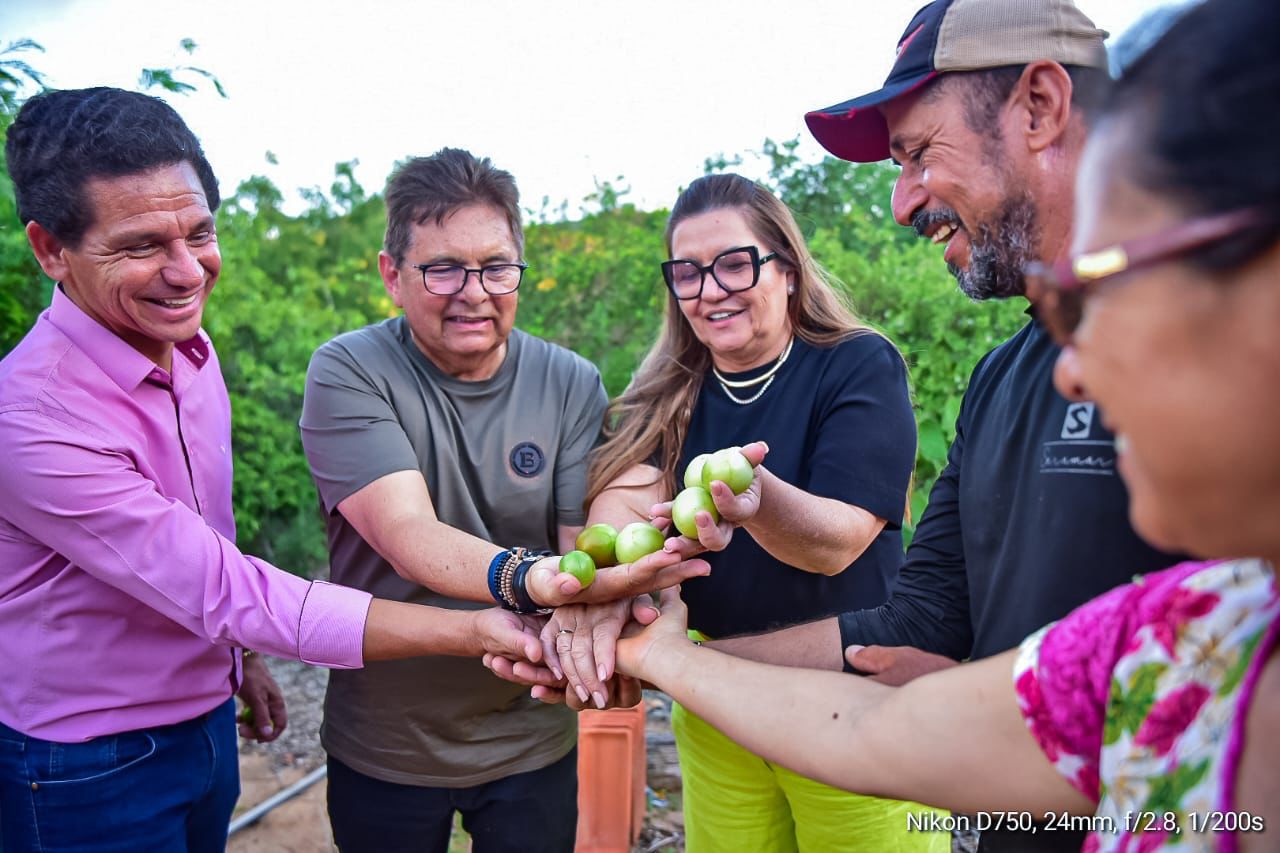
{"x":579,"y":641}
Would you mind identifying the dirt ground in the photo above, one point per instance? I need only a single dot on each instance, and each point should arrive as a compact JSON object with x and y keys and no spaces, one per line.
{"x":301,"y":825}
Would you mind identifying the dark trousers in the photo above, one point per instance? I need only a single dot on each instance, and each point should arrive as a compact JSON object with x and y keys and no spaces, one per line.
{"x":169,"y":789}
{"x":535,"y":812}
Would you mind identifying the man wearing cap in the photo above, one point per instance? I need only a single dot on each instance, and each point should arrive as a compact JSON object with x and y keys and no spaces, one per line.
{"x":985,"y":111}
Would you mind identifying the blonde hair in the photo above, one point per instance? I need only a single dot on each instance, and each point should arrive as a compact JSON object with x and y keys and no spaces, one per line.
{"x":652,"y":415}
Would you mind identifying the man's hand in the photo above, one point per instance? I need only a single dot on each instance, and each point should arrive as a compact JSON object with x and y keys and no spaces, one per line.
{"x":895,"y":665}
{"x":550,"y":587}
{"x":263,"y":702}
{"x":735,"y":510}
{"x":510,"y":635}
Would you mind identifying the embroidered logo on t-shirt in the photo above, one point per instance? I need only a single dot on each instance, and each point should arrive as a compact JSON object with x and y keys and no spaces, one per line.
{"x":527,"y":459}
{"x":1078,"y":420}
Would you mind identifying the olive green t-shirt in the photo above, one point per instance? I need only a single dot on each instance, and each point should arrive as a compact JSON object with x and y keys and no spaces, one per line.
{"x":504,"y":459}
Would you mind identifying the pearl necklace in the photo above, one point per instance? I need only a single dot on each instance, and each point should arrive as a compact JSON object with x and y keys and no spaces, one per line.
{"x":767,"y":378}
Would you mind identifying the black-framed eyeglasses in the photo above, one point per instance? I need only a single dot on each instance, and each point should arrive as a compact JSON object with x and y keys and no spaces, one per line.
{"x":1059,"y":289}
{"x":733,"y":269}
{"x":448,"y":279}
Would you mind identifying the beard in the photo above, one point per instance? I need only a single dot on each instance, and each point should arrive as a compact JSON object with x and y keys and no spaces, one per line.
{"x":999,"y":248}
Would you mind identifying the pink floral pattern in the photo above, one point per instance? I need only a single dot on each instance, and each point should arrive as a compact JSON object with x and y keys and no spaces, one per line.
{"x":1170,"y":717}
{"x":1135,"y":696}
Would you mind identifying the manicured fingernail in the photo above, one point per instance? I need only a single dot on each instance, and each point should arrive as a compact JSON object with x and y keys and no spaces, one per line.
{"x":555,"y":670}
{"x":599,"y":697}
{"x":582,"y":694}
{"x":600,"y":672}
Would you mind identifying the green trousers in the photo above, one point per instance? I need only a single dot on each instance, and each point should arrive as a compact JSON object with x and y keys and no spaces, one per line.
{"x":735,"y":801}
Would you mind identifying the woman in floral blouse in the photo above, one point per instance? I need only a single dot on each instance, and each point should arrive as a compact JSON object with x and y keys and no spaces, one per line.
{"x":1148,"y":716}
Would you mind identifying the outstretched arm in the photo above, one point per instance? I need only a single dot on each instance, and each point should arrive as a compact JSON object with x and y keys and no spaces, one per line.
{"x":919,"y":742}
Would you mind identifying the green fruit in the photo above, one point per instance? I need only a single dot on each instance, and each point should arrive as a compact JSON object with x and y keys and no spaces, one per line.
{"x":245,"y":715}
{"x":597,"y":541}
{"x":687,"y":505}
{"x":730,"y":467}
{"x":693,"y":474}
{"x":637,"y":540}
{"x":580,"y":565}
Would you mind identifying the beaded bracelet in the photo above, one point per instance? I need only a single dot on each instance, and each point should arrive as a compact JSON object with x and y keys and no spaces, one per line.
{"x":495,"y":568}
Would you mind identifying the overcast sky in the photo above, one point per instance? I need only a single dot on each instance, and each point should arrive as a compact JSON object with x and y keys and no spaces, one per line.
{"x":561,"y":93}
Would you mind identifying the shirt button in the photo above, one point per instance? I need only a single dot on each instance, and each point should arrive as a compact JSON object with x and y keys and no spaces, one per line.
{"x":35,"y":786}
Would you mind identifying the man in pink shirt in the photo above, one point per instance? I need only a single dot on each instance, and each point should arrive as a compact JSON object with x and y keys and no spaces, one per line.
{"x":124,"y":602}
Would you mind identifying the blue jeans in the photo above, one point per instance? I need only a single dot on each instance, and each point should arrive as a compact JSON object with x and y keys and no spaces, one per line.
{"x":169,"y":788}
{"x":533,"y":812}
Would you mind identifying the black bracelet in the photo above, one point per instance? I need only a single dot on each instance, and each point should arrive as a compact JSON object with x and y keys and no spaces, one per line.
{"x":524,"y":602}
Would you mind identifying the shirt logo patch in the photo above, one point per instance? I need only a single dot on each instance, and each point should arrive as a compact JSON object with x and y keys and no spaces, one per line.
{"x":527,"y":459}
{"x":1078,"y":421}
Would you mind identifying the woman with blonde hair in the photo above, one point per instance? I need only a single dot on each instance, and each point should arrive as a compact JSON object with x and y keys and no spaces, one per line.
{"x":759,"y":350}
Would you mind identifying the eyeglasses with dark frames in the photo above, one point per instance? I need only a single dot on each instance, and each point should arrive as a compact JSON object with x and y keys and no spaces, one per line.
{"x":1059,"y":289}
{"x":448,"y":279}
{"x":734,"y":270}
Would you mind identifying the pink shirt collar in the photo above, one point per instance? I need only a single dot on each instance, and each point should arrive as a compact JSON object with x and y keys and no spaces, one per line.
{"x":123,"y":364}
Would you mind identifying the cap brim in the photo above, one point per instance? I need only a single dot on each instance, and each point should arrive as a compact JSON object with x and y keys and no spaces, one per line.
{"x":855,"y":130}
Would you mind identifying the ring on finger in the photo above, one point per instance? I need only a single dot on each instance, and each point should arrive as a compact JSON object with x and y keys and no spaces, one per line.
{"x":564,"y":631}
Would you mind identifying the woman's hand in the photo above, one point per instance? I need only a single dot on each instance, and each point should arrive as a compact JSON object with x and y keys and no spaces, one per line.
{"x":735,"y":510}
{"x":580,"y":640}
{"x":640,"y":643}
{"x":578,"y":643}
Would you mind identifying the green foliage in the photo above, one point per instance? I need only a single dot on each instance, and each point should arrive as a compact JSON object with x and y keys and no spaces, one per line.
{"x":24,"y":291}
{"x":170,"y":79}
{"x":593,"y":285}
{"x":290,"y":283}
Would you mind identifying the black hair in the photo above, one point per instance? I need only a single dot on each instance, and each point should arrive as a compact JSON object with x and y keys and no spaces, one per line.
{"x":987,"y":90}
{"x":1204,"y":105}
{"x":60,"y":140}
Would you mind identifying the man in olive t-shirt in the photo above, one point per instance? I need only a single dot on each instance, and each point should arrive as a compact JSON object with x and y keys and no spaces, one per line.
{"x":432,"y":438}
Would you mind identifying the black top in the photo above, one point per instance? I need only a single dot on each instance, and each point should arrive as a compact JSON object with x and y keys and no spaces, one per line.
{"x":839,"y":424}
{"x":1028,"y":520}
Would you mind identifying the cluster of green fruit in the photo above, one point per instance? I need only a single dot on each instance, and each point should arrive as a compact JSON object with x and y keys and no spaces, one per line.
{"x":728,"y":466}
{"x":603,"y":545}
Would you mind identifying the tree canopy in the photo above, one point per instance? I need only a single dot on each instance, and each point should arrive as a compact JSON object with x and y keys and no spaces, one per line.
{"x":291,"y":282}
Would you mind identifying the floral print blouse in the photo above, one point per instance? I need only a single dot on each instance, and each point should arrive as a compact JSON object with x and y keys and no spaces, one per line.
{"x":1138,"y":698}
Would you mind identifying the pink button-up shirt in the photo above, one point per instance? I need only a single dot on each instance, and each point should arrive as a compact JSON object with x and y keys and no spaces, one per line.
{"x":122,"y":594}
